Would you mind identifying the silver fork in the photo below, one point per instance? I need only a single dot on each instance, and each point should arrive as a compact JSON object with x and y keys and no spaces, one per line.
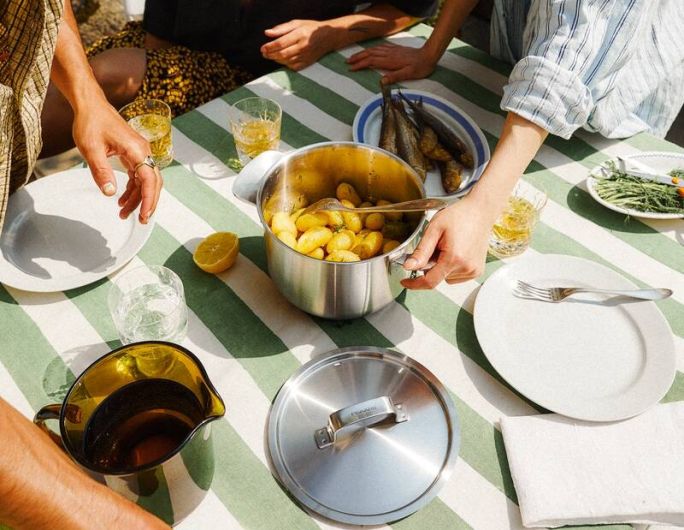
{"x":557,"y":294}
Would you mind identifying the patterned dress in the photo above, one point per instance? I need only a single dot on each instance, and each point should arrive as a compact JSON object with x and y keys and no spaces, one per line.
{"x":181,"y":77}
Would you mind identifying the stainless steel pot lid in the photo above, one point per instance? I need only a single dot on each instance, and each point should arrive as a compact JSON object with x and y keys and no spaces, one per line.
{"x":363,"y":435}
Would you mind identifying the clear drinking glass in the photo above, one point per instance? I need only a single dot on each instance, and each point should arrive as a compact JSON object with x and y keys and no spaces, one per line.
{"x":148,"y":303}
{"x":513,"y":229}
{"x":255,"y":125}
{"x":151,"y":118}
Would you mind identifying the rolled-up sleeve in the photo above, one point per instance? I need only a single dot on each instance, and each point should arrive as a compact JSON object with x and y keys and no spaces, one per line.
{"x":572,"y":52}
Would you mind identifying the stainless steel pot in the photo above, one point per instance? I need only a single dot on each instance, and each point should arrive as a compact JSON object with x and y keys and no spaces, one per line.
{"x":322,"y":288}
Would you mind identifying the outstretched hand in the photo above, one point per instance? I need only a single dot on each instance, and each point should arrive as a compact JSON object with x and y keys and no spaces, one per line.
{"x":298,"y":43}
{"x":459,"y":236}
{"x":99,"y":132}
{"x":400,"y":63}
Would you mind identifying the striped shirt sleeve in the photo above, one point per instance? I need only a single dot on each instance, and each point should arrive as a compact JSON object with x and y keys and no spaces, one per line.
{"x":573,"y":50}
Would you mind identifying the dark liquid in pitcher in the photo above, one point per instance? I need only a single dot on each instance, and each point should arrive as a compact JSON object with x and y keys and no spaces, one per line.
{"x":140,"y":423}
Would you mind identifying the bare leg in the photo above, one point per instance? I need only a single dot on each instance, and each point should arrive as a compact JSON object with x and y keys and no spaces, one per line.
{"x":120,"y":73}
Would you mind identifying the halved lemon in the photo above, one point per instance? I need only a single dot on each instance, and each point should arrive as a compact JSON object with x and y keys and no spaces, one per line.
{"x":217,"y":252}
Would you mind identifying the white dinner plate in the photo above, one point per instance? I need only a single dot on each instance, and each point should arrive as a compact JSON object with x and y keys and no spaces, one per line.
{"x":61,"y":232}
{"x":368,"y":120}
{"x":588,"y":357}
{"x":663,"y":162}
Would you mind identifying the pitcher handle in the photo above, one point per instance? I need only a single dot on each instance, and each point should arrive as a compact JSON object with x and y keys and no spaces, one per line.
{"x":49,"y":412}
{"x":248,"y":181}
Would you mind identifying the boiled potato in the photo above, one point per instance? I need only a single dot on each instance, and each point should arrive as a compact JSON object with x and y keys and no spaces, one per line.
{"x":343,"y":240}
{"x":311,"y":220}
{"x":389,"y":245}
{"x":347,"y":192}
{"x":375,"y":221}
{"x":317,"y":253}
{"x":365,"y":204}
{"x":287,"y":238}
{"x":335,"y":219}
{"x":369,"y":246}
{"x":282,"y":222}
{"x":317,"y":236}
{"x":359,"y":237}
{"x":352,"y":220}
{"x":390,"y":216}
{"x":345,"y":256}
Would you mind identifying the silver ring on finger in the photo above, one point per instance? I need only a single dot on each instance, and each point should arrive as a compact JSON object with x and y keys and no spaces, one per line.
{"x":148,"y":161}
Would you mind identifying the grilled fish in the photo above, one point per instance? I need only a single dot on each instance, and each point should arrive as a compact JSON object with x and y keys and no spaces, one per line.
{"x":445,"y":135}
{"x":388,"y":127}
{"x":407,"y":141}
{"x":450,"y":172}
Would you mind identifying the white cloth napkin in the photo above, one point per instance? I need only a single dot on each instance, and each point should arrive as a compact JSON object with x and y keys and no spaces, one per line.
{"x":573,"y":472}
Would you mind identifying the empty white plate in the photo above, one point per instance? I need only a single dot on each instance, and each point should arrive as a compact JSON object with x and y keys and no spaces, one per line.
{"x":61,"y":232}
{"x":589,"y":357}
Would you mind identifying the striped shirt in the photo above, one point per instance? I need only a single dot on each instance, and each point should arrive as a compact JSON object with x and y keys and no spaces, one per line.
{"x":28,"y":35}
{"x":611,"y":66}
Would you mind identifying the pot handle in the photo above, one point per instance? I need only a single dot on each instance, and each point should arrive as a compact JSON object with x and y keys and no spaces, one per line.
{"x":400,"y":260}
{"x":248,"y":181}
{"x":361,"y":415}
{"x":49,"y":412}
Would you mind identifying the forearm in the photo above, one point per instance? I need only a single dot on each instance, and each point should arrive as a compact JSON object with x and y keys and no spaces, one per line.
{"x":71,"y":72}
{"x":42,"y":489}
{"x":376,"y":21}
{"x":519,"y":142}
{"x":449,"y":22}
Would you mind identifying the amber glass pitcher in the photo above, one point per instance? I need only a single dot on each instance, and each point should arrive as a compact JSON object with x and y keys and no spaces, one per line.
{"x":139,"y":420}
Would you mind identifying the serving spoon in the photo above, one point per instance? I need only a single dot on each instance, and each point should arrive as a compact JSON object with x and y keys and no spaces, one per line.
{"x":416,"y":205}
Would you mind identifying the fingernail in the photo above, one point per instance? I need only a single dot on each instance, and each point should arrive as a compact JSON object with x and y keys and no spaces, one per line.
{"x":410,"y":263}
{"x":109,"y":189}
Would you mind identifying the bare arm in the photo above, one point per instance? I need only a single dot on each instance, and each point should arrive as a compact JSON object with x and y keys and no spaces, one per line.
{"x":41,"y":489}
{"x":460,"y":233}
{"x":99,"y":132}
{"x":299,"y":43}
{"x":403,"y":62}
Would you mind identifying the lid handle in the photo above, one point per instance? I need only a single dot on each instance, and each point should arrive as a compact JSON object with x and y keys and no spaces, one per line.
{"x":361,"y":415}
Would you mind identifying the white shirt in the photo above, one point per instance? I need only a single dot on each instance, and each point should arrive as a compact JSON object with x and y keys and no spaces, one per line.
{"x":611,"y":66}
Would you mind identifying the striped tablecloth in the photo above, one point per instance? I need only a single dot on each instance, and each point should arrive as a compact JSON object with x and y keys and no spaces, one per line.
{"x":251,"y":339}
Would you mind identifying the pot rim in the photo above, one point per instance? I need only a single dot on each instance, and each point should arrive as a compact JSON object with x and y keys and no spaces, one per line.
{"x":311,"y":147}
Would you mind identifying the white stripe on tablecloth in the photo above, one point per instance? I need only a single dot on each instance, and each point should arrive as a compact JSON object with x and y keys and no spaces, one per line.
{"x":211,"y":513}
{"x":11,"y":393}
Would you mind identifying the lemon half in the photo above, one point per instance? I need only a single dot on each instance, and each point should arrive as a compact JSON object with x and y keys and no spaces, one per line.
{"x":217,"y":252}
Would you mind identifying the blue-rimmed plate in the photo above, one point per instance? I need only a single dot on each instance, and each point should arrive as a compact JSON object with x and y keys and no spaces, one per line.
{"x":368,"y":119}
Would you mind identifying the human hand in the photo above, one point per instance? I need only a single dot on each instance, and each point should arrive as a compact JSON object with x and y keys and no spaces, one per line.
{"x":400,"y":62}
{"x":460,"y":235}
{"x":99,"y":132}
{"x":298,"y":43}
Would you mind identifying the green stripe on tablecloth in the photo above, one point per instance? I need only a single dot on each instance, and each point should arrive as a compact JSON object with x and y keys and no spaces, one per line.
{"x":321,"y":96}
{"x":291,"y":128}
{"x":264,"y":356}
{"x":648,"y":142}
{"x":91,"y":301}
{"x":247,"y":488}
{"x":27,"y":354}
{"x":676,"y":392}
{"x":434,"y":516}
